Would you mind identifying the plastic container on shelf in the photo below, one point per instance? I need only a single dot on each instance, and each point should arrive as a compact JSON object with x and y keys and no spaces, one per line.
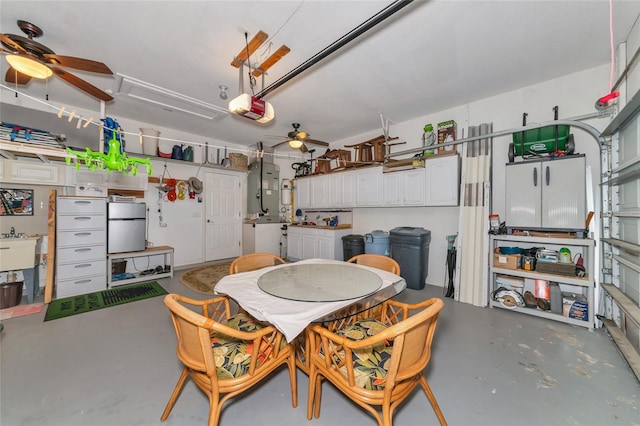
{"x":377,"y":242}
{"x":410,"y":248}
{"x":149,"y":141}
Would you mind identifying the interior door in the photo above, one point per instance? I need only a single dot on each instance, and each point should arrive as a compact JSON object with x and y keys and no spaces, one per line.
{"x":223,"y":226}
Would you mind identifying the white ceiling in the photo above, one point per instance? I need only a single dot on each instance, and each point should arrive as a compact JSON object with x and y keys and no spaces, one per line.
{"x":429,"y":56}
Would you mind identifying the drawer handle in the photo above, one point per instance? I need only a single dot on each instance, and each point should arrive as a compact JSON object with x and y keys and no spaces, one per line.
{"x":83,"y":265}
{"x":82,"y":218}
{"x":82,"y":202}
{"x":82,"y":282}
{"x":5,"y":248}
{"x":82,"y":234}
{"x":80,"y":250}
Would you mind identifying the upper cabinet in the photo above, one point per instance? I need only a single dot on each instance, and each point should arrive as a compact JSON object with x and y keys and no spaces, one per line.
{"x":548,"y":194}
{"x":15,"y":171}
{"x":436,"y":184}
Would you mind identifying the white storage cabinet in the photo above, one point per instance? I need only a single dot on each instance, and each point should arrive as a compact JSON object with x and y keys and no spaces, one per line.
{"x":549,"y":194}
{"x":404,"y":188}
{"x":309,"y":243}
{"x":568,"y":284}
{"x":81,"y":245}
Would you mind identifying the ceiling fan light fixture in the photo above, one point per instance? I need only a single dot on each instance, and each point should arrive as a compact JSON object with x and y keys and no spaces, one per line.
{"x":253,"y":108}
{"x":28,"y":66}
{"x":295,"y":143}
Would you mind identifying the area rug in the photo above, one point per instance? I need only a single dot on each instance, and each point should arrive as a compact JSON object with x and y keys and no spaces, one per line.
{"x":20,"y":310}
{"x":67,"y":306}
{"x":204,"y":279}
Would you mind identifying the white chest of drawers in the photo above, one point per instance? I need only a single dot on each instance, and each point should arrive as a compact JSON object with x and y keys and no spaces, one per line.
{"x":81,"y":245}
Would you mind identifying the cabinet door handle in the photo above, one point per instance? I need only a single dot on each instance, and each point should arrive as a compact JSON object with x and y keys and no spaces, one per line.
{"x":82,"y":234}
{"x":82,"y":218}
{"x":548,"y":175}
{"x":82,"y":282}
{"x":82,"y":202}
{"x":535,"y":176}
{"x":80,"y":250}
{"x":83,"y":265}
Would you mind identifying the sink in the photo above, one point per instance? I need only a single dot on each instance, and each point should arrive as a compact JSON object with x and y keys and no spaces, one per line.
{"x":18,"y":253}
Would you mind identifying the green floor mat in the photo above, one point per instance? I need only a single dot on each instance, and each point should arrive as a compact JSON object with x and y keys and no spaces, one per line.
{"x":82,"y":303}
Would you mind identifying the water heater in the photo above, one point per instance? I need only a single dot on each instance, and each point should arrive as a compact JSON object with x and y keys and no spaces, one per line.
{"x":263,"y":191}
{"x":286,"y":192}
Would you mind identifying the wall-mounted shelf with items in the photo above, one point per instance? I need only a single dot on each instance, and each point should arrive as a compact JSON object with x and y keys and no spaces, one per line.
{"x":576,"y":291}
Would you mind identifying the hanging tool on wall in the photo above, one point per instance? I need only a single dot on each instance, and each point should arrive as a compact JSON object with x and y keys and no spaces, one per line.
{"x":451,"y":263}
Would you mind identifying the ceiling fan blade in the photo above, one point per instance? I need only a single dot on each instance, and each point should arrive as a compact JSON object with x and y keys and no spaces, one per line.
{"x":82,"y":85}
{"x":255,"y":42}
{"x":304,"y":148}
{"x":78,"y":63}
{"x":12,"y":44}
{"x":315,"y":142}
{"x":15,"y":77}
{"x":271,"y":60}
{"x":280,"y":144}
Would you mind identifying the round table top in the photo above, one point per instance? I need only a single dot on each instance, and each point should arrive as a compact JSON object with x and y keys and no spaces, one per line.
{"x":320,"y":282}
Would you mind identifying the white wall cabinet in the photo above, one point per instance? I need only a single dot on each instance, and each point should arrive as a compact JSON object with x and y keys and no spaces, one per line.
{"x":546,"y":194}
{"x":311,"y":243}
{"x":369,"y":187}
{"x":102,"y":178}
{"x":81,"y":245}
{"x":404,"y":188}
{"x":15,"y":171}
{"x":442,"y":175}
{"x":437,"y":184}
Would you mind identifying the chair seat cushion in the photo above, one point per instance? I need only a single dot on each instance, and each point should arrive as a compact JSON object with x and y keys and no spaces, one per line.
{"x":370,"y":364}
{"x":233,"y":355}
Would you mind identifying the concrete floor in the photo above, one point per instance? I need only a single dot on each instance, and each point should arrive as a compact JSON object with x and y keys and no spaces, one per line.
{"x":117,"y":366}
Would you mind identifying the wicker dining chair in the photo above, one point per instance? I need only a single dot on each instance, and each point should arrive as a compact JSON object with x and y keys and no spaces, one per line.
{"x":210,"y":345}
{"x":376,"y":362}
{"x":253,"y":261}
{"x":376,"y":261}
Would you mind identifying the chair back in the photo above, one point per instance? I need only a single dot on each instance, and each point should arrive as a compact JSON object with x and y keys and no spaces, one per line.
{"x":377,"y":261}
{"x":194,"y":339}
{"x":253,"y":261}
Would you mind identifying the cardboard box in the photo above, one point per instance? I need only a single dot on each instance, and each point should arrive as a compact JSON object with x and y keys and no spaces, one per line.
{"x":506,"y":261}
{"x":447,"y":133}
{"x":575,"y":306}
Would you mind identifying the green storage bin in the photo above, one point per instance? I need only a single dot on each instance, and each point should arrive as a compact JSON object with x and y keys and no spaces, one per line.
{"x":541,"y":141}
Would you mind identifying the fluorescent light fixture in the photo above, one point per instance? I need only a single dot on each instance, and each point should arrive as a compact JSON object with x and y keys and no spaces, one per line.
{"x":253,"y":108}
{"x":27,"y":66}
{"x":295,"y":143}
{"x":166,"y":98}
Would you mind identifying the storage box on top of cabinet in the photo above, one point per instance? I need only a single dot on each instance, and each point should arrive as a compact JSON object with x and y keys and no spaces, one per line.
{"x":546,"y":194}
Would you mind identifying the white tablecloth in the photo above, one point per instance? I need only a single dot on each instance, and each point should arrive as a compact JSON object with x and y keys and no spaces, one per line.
{"x":289,"y":316}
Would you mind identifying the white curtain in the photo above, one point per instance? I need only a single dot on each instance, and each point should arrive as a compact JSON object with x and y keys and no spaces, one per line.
{"x":473,"y":238}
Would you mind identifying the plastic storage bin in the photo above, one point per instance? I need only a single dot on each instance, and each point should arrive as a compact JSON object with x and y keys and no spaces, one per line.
{"x":352,"y":245}
{"x":377,"y":242}
{"x":410,"y":248}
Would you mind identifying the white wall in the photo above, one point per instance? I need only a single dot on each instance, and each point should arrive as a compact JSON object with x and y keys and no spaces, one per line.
{"x":574,"y":94}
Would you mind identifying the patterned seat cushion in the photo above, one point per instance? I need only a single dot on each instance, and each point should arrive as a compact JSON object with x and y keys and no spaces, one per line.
{"x":370,"y":364}
{"x":233,"y":355}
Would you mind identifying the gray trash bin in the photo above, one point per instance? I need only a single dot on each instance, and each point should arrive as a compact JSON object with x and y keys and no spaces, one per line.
{"x":352,"y":245}
{"x":410,"y":248}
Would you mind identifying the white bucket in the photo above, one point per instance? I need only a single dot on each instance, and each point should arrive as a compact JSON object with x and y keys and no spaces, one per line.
{"x":150,"y":141}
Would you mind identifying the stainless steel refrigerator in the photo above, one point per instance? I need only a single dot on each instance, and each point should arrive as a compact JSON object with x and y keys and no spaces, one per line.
{"x":126,"y":227}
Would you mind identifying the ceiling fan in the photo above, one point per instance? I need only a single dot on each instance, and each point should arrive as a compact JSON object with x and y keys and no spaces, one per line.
{"x":298,"y":139}
{"x":29,"y":59}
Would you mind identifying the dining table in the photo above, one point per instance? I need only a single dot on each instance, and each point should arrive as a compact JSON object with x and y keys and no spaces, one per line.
{"x":293,"y":295}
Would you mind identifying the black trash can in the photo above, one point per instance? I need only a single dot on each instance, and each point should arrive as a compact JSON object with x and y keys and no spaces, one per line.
{"x":352,"y":245}
{"x":410,"y":248}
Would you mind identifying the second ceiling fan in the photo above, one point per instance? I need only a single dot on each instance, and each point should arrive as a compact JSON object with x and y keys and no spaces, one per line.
{"x":298,"y":139}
